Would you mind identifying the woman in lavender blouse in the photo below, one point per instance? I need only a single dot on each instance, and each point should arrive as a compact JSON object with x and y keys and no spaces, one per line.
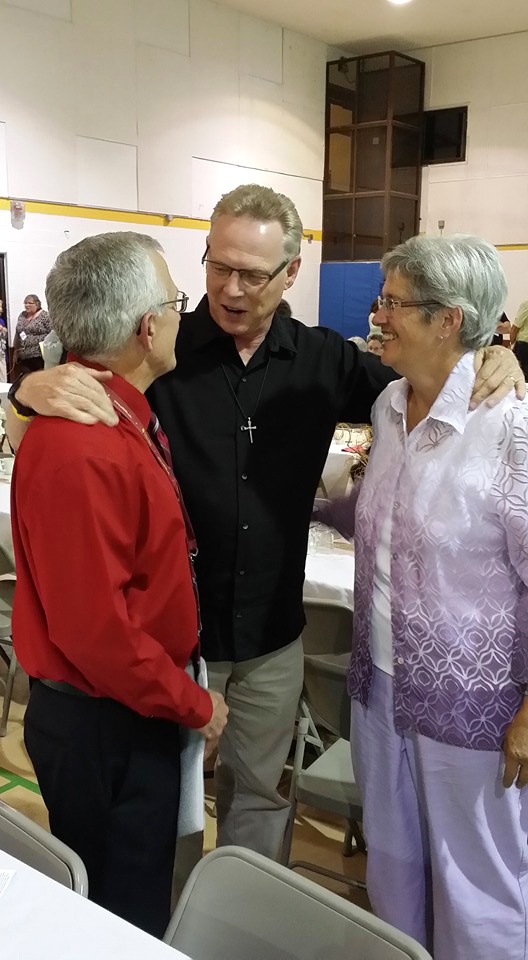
{"x":440,"y":651}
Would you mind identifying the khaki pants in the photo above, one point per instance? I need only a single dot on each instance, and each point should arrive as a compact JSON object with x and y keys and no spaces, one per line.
{"x":262,"y":696}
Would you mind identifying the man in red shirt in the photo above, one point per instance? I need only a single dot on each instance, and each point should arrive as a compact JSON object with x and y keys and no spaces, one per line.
{"x":105,"y":616}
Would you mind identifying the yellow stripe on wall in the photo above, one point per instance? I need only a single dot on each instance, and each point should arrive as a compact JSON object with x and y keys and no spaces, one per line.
{"x":123,"y":216}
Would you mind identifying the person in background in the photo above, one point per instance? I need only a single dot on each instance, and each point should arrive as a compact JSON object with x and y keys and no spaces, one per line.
{"x":3,"y":344}
{"x":519,"y":337}
{"x":33,"y":325}
{"x":501,"y":337}
{"x":284,"y":309}
{"x":245,"y":377}
{"x":375,"y":343}
{"x":439,"y":666}
{"x":360,"y":343}
{"x":109,"y":637}
{"x":374,"y":307}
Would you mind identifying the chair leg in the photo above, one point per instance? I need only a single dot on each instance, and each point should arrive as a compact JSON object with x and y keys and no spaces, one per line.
{"x":323,"y":872}
{"x":8,"y":694}
{"x":355,"y":833}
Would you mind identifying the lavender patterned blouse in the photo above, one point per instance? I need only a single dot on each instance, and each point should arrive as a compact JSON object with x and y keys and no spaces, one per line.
{"x":458,"y":486}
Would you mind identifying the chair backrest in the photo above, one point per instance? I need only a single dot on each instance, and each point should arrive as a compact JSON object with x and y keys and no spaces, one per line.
{"x":26,"y":841}
{"x":7,"y":592}
{"x":239,"y":904}
{"x":6,"y":565}
{"x":328,"y":626}
{"x":325,"y":692}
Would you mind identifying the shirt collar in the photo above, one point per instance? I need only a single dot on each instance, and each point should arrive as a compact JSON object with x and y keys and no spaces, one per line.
{"x":452,"y":403}
{"x":133,"y":397}
{"x":203,"y":330}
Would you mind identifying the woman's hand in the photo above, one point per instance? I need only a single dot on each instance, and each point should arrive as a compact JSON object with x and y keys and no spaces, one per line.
{"x":515,"y":749}
{"x":497,"y":372}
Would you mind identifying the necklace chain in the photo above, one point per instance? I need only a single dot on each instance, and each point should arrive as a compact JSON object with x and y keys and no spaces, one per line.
{"x":247,"y":417}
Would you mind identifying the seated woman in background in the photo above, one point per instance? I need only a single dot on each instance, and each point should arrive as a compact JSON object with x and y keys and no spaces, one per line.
{"x":439,"y":663}
{"x":33,"y":325}
{"x":519,"y":336}
{"x":375,"y":343}
{"x":501,"y":337}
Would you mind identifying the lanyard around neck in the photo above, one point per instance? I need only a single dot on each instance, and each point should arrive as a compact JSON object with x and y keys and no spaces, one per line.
{"x":122,"y":408}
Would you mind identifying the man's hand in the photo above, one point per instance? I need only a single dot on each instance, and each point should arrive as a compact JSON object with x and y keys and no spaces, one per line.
{"x":212,"y":730}
{"x":497,"y":372}
{"x":515,"y":749}
{"x":70,"y":391}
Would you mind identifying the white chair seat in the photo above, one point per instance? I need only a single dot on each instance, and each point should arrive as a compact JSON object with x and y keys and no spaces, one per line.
{"x":329,"y":782}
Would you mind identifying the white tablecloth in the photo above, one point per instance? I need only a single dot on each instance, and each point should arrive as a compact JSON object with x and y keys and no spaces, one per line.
{"x":336,"y":471}
{"x":330,"y":576}
{"x":6,"y":539}
{"x":41,"y":920}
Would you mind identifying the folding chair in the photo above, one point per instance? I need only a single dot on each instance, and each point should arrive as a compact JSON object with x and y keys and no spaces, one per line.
{"x":7,"y":653}
{"x":239,"y":904}
{"x":328,"y":630}
{"x":26,"y":841}
{"x":328,"y":783}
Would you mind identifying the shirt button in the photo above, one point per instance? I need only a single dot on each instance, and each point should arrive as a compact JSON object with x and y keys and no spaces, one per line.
{"x":241,"y":573}
{"x":243,"y":476}
{"x":396,"y":505}
{"x":394,"y":556}
{"x":244,"y":379}
{"x":238,"y":615}
{"x":400,"y":660}
{"x":245,"y":526}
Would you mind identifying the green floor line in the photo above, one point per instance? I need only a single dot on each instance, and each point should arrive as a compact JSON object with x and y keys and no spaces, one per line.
{"x":17,"y":781}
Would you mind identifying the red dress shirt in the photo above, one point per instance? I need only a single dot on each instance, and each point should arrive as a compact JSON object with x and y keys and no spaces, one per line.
{"x":104,"y":597}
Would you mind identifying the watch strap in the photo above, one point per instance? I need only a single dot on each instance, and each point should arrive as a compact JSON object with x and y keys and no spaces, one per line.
{"x":23,"y":412}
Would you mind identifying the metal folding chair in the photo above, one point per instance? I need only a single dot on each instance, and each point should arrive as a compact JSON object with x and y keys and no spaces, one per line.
{"x":28,"y":842}
{"x":7,"y":653}
{"x":328,"y":783}
{"x":239,"y":904}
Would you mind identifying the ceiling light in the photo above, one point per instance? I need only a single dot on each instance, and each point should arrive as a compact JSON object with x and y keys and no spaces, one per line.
{"x":399,"y":3}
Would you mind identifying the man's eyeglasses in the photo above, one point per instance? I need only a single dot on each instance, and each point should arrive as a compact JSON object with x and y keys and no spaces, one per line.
{"x":179,"y":304}
{"x":393,"y":303}
{"x":248,"y":278}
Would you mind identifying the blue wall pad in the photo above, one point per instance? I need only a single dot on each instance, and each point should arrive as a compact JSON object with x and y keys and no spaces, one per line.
{"x":346,"y":292}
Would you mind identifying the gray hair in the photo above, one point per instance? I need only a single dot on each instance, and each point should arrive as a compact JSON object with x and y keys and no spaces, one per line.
{"x":262,"y":203}
{"x":98,"y":290}
{"x":458,"y":271}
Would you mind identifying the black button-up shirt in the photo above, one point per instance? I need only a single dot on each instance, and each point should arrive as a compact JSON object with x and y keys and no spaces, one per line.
{"x":250,"y":503}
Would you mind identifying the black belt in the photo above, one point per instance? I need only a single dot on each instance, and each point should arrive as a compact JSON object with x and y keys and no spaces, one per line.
{"x":62,"y":687}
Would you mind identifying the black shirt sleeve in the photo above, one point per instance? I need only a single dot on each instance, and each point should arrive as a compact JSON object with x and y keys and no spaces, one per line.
{"x":363,"y":378}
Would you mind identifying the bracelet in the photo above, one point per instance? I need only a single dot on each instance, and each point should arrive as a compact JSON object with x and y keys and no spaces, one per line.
{"x":22,"y":412}
{"x":20,"y":416}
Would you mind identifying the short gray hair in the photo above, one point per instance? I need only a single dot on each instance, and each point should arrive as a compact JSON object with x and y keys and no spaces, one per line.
{"x":458,"y":271}
{"x":262,"y":203}
{"x":98,"y":290}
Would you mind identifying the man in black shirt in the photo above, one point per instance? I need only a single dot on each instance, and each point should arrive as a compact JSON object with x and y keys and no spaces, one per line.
{"x":249,"y":412}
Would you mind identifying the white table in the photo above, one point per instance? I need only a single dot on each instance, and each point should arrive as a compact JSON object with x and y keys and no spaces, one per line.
{"x":336,"y":471}
{"x":330,"y":576}
{"x":42,"y":920}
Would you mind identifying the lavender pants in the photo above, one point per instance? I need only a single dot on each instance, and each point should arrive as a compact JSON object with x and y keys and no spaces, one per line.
{"x":447,"y":844}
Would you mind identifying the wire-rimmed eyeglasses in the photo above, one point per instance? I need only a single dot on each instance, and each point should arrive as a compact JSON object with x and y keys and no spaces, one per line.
{"x":179,"y":304}
{"x":248,"y":278}
{"x":393,"y":303}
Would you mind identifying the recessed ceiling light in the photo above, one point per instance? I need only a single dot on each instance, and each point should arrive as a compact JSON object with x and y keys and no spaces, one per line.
{"x":399,"y":3}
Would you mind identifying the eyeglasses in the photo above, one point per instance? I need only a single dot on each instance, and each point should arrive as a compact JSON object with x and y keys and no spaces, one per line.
{"x":179,"y":304}
{"x":248,"y":278}
{"x":393,"y":303}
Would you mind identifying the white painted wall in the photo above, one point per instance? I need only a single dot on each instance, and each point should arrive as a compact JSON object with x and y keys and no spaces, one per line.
{"x":488,"y":193}
{"x":156,"y":105}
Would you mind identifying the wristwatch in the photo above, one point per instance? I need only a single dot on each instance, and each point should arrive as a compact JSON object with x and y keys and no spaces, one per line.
{"x":21,"y":411}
